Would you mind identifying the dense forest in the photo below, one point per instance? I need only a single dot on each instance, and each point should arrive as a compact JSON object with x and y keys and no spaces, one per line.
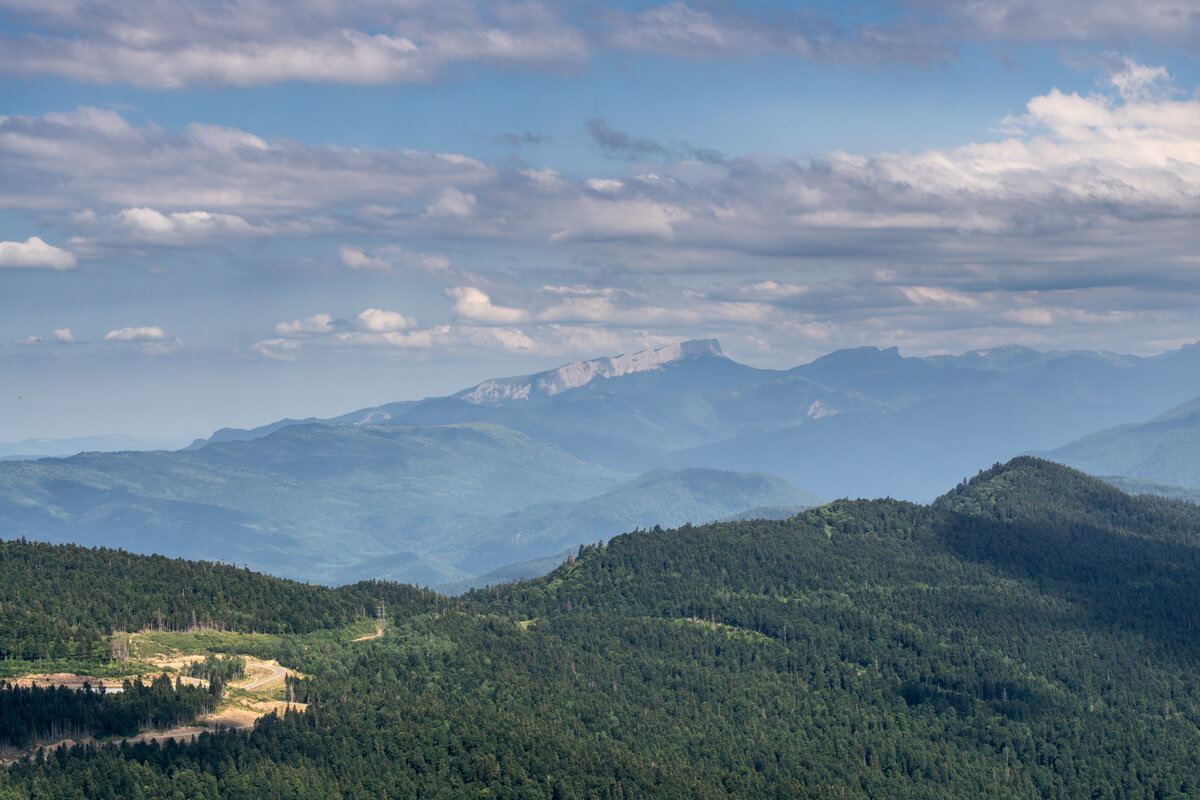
{"x":1033,"y":633}
{"x":31,"y":713}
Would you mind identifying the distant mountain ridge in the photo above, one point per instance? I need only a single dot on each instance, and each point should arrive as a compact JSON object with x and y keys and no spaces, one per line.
{"x":580,"y":373}
{"x":1162,"y":450}
{"x":447,"y":489}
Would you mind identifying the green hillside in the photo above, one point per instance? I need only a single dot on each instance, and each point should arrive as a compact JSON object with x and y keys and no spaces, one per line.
{"x":1033,"y":633}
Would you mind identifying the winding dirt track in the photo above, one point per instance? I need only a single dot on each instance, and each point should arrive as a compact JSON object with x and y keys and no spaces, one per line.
{"x":274,"y":671}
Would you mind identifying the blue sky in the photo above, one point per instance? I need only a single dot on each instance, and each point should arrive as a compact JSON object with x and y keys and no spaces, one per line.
{"x":225,"y":213}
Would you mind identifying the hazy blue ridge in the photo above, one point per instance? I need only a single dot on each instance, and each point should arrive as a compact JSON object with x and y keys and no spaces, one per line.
{"x":1163,"y":450}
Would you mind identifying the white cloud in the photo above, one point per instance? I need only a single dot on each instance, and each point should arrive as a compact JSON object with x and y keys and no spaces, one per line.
{"x":149,"y":43}
{"x":374,"y":320}
{"x":151,"y":333}
{"x":166,"y":182}
{"x":255,"y":42}
{"x":354,"y":258}
{"x":180,"y":227}
{"x":34,"y":253}
{"x":1136,"y":81}
{"x":450,"y":202}
{"x":392,"y":257}
{"x":937,"y":296}
{"x":1100,"y":189}
{"x":604,"y":185}
{"x":316,"y":324}
{"x":473,"y":305}
{"x":279,"y":349}
{"x":589,"y":219}
{"x":60,"y":336}
{"x":150,"y":339}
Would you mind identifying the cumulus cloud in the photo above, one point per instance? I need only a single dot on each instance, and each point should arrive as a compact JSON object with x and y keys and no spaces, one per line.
{"x":392,"y":257}
{"x":149,"y":339}
{"x":277,"y":349}
{"x":451,"y":202}
{"x":184,"y":227}
{"x":150,"y":333}
{"x":316,"y":324}
{"x":375,"y":320}
{"x":59,"y":336}
{"x":473,"y":305}
{"x":1136,"y":81}
{"x":595,"y":219}
{"x":33,"y":253}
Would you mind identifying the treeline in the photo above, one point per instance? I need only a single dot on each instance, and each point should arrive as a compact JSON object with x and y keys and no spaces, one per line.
{"x":1032,"y":634}
{"x":63,"y":601}
{"x":37,"y":713}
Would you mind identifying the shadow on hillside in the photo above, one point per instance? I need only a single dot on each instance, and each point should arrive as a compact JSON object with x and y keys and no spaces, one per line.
{"x":1144,"y":586}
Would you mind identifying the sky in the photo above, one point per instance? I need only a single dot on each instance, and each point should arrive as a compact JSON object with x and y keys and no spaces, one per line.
{"x":225,"y":213}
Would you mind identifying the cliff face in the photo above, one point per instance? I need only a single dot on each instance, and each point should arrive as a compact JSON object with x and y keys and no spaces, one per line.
{"x":581,"y":373}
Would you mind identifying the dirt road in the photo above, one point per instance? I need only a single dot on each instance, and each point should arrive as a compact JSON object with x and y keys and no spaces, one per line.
{"x":274,"y":671}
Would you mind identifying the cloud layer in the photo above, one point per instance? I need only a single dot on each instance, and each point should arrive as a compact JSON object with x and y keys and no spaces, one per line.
{"x":1081,"y":214}
{"x":168,"y":45}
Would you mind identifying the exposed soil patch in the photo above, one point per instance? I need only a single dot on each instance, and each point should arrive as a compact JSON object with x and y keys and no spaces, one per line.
{"x":378,"y":632}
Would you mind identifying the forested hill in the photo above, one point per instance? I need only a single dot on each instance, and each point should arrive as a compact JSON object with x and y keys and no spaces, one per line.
{"x":1033,"y":633}
{"x":1028,"y":527}
{"x":64,"y":600}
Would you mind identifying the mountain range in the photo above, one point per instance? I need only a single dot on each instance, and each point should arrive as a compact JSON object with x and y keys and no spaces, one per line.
{"x":496,"y":479}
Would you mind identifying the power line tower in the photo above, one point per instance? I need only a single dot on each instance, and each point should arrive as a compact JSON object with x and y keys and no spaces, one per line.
{"x":381,"y":616}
